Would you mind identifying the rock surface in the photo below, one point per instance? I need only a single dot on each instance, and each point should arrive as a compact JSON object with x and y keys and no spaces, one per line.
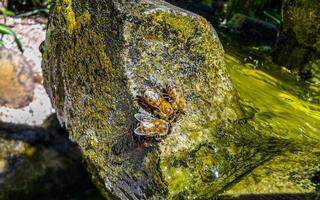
{"x":99,"y":56}
{"x":300,"y":49}
{"x":34,"y":157}
{"x":301,"y":17}
{"x":16,"y":84}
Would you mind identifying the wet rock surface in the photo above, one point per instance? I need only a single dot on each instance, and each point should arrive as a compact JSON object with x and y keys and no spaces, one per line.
{"x":301,"y":17}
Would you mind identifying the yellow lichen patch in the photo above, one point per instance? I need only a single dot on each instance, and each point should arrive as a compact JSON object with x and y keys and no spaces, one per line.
{"x":181,"y":23}
{"x":3,"y":164}
{"x":72,"y":21}
{"x":27,"y":149}
{"x":85,"y":18}
{"x":70,"y":15}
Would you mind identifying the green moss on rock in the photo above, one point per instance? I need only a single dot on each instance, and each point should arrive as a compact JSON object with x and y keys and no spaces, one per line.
{"x":300,"y":50}
{"x":302,"y":17}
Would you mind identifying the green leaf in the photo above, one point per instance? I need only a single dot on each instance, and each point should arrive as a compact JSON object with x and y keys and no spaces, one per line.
{"x":8,"y":31}
{"x":33,"y":12}
{"x":19,"y":44}
{"x":273,"y":17}
{"x":8,"y":13}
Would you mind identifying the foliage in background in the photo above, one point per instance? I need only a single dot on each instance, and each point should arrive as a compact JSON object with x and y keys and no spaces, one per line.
{"x":267,"y":10}
{"x":20,"y":8}
{"x":5,"y":30}
{"x":29,"y":7}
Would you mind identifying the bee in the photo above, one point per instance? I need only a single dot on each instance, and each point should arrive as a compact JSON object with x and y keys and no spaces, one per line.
{"x":149,"y":126}
{"x":156,"y":102}
{"x":176,"y":98}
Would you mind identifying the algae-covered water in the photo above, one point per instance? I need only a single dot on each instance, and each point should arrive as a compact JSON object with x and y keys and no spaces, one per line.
{"x":276,"y":102}
{"x":280,"y":112}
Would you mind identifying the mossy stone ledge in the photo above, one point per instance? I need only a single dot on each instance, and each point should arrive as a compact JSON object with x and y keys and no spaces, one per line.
{"x":98,"y":56}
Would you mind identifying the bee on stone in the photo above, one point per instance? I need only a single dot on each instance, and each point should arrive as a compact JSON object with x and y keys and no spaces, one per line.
{"x":156,"y":104}
{"x":149,"y":126}
{"x":176,"y":98}
{"x":164,"y":108}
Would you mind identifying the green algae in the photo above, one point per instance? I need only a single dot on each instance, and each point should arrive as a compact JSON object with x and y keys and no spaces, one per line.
{"x":290,"y":172}
{"x":280,"y":114}
{"x":277,"y":107}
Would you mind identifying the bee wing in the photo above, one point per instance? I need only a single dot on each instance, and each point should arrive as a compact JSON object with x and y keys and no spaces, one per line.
{"x":142,"y":117}
{"x":143,"y":111}
{"x":138,"y":131}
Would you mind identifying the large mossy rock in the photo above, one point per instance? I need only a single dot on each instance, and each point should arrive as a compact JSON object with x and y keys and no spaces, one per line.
{"x":99,"y":56}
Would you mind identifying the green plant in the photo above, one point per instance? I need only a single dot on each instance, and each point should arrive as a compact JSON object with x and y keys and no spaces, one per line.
{"x":5,"y":30}
{"x":25,"y":8}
